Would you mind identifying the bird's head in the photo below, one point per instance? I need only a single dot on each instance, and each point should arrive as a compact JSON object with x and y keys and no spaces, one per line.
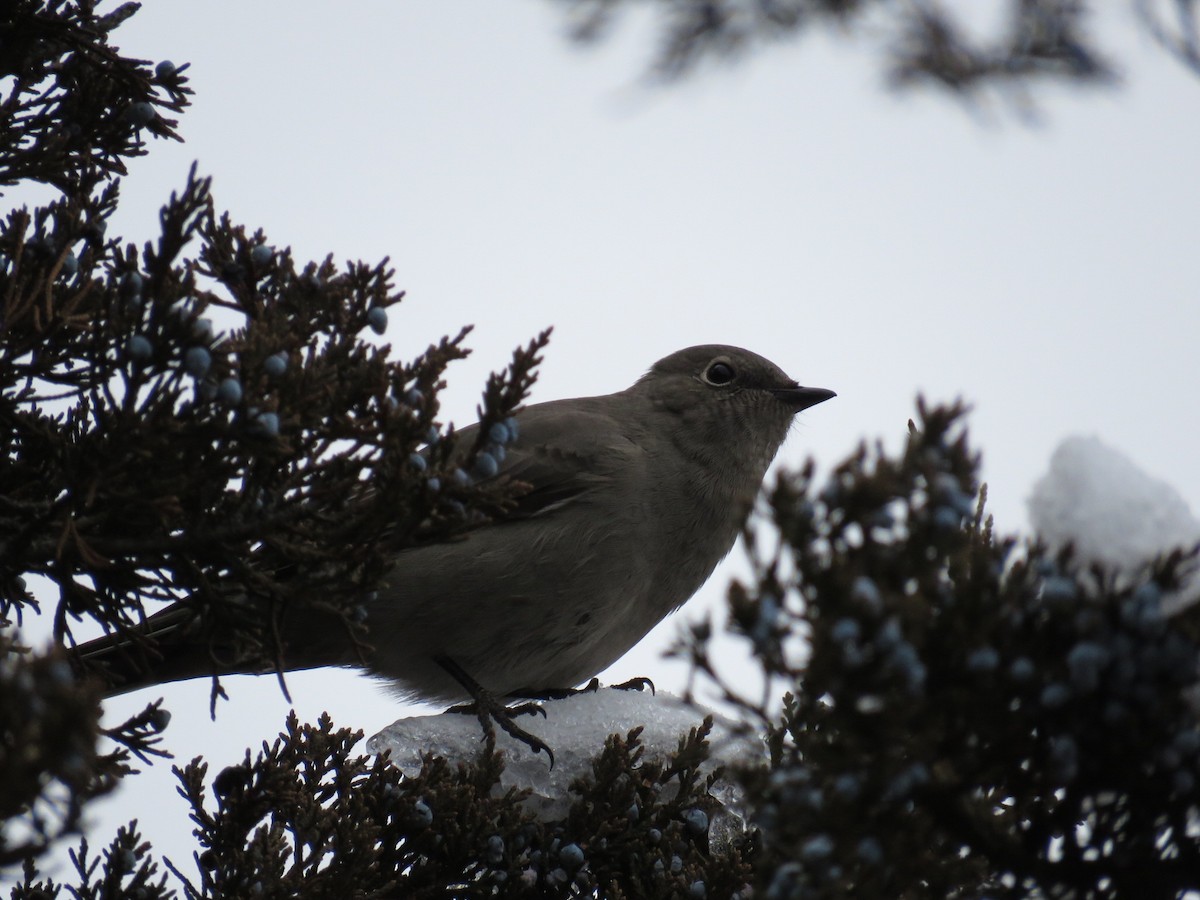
{"x":729,"y":403}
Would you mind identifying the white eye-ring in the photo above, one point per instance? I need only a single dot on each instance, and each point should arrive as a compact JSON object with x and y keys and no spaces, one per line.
{"x":719,"y":372}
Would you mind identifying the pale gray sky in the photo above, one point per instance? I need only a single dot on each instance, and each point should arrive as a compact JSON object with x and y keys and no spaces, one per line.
{"x":873,"y":244}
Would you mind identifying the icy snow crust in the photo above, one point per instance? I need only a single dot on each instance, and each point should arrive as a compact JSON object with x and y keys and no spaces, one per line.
{"x":1114,"y":513}
{"x":575,"y":728}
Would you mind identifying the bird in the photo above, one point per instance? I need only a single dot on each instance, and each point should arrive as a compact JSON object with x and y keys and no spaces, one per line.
{"x":632,"y":500}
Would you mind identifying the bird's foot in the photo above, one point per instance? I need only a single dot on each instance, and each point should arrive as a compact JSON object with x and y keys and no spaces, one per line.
{"x":490,"y":710}
{"x":633,"y":684}
{"x":517,"y":709}
{"x":553,"y":693}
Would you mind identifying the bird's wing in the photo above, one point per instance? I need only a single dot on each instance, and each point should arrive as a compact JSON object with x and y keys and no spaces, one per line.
{"x":565,"y":451}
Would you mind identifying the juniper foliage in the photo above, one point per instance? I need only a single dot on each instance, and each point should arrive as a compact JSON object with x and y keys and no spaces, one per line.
{"x":1022,"y":45}
{"x":963,"y":715}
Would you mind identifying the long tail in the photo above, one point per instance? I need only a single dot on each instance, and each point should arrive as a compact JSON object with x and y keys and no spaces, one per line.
{"x":172,"y":646}
{"x":162,"y":649}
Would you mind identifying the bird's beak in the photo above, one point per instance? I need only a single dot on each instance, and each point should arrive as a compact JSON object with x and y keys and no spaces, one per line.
{"x":802,"y":397}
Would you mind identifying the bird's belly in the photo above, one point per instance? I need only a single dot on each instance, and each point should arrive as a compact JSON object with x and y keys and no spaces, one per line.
{"x":523,"y":606}
{"x":514,"y":624}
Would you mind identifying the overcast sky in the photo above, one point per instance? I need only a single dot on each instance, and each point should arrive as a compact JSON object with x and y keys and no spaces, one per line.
{"x":876,"y":244}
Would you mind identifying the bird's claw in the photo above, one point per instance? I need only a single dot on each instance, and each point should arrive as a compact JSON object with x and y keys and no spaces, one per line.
{"x":634,"y":684}
{"x":526,"y":709}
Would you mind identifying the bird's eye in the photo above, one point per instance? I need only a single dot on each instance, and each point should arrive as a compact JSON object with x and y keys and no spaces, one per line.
{"x":719,"y":373}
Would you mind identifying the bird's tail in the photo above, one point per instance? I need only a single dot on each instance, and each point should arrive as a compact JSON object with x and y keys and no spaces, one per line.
{"x":173,"y":645}
{"x":162,"y":649}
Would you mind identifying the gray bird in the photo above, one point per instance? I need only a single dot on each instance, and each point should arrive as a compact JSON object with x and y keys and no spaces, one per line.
{"x":635,"y":497}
